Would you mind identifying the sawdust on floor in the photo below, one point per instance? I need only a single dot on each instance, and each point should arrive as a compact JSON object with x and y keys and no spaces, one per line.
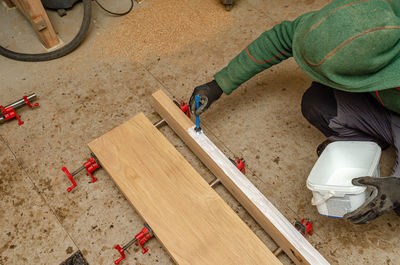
{"x":159,"y":27}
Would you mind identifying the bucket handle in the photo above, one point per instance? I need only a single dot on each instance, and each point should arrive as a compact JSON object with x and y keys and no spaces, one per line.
{"x":322,"y":200}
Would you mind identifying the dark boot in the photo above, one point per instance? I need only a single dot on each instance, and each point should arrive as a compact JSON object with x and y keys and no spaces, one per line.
{"x":322,"y":146}
{"x":397,"y":210}
{"x":228,"y":4}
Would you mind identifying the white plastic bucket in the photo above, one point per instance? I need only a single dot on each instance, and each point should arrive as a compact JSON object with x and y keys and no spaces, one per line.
{"x":330,"y":179}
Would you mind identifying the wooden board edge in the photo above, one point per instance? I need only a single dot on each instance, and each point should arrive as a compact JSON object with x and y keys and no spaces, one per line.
{"x":266,"y":215}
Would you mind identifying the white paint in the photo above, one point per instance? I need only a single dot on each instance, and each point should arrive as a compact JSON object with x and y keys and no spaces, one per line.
{"x":259,"y":200}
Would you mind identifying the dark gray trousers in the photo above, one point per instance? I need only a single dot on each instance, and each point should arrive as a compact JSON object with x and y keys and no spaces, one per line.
{"x":345,"y":116}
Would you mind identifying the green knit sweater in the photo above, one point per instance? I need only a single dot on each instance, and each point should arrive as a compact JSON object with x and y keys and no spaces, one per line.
{"x":349,"y":45}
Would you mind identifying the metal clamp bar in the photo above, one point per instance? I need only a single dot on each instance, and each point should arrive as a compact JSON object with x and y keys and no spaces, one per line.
{"x":17,"y":104}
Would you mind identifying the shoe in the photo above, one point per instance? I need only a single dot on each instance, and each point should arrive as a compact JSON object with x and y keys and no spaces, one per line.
{"x":322,"y":146}
{"x":397,"y":210}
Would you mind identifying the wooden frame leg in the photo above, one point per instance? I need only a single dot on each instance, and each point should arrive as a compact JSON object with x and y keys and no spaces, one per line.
{"x":35,"y":13}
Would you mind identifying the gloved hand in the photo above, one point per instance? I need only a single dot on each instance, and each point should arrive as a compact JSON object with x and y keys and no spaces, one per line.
{"x":385,"y":197}
{"x":209,"y":93}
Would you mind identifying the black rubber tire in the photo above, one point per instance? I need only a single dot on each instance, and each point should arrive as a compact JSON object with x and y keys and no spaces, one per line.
{"x":71,"y":46}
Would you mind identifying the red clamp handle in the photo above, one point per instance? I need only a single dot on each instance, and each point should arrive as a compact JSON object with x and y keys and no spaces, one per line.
{"x":28,"y":103}
{"x":71,"y":178}
{"x":122,"y":252}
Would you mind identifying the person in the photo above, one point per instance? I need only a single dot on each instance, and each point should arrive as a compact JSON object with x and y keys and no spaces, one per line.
{"x":352,"y":51}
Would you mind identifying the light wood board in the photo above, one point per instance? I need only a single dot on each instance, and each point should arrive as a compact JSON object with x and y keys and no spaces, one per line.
{"x":262,"y":210}
{"x":188,"y":217}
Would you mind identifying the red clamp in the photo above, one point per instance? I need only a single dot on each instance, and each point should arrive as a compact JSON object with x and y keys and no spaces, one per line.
{"x":239,"y":163}
{"x":304,"y":227}
{"x":9,"y":112}
{"x":141,"y":238}
{"x":184,"y":107}
{"x":91,"y":165}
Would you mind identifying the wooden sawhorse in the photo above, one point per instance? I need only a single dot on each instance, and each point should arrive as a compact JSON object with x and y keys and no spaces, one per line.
{"x":34,"y":11}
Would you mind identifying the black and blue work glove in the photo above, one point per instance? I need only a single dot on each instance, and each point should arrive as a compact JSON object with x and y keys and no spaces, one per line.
{"x":385,"y":196}
{"x":209,"y":93}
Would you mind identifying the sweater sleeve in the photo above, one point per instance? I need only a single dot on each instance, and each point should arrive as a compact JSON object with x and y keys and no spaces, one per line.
{"x":270,"y":48}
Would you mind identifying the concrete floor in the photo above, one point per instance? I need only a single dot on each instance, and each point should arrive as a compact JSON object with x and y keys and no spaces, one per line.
{"x":171,"y":45}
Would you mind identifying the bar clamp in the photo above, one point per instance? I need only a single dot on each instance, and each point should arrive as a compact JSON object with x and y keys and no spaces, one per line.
{"x":91,"y":165}
{"x":9,"y":112}
{"x":141,"y":238}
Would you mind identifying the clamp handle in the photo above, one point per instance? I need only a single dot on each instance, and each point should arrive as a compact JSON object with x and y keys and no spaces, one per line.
{"x":28,"y":103}
{"x":71,"y":178}
{"x":122,"y":252}
{"x":141,"y":242}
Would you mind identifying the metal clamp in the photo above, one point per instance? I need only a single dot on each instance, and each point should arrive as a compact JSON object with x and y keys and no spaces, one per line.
{"x":304,"y":227}
{"x":91,"y":165}
{"x":239,"y":163}
{"x":141,"y":238}
{"x":9,"y":112}
{"x":184,"y":107}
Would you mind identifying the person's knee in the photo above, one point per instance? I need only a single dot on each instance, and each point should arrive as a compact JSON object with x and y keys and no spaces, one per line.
{"x":319,"y":106}
{"x":311,"y":103}
{"x":308,"y":107}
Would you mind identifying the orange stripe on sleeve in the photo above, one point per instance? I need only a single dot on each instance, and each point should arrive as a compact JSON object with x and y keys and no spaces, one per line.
{"x":266,"y":61}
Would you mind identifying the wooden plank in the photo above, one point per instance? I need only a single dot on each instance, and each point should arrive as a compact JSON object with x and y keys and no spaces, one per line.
{"x":189,"y":218}
{"x":266,"y":215}
{"x":34,"y":11}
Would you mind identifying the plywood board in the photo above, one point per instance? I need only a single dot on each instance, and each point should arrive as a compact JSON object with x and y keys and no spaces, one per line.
{"x":259,"y":207}
{"x":188,"y":217}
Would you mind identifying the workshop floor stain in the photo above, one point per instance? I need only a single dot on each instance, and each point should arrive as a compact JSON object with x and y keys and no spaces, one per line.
{"x":30,"y":225}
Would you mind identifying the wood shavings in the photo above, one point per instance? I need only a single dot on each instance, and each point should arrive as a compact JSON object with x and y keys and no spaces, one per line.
{"x":159,"y":27}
